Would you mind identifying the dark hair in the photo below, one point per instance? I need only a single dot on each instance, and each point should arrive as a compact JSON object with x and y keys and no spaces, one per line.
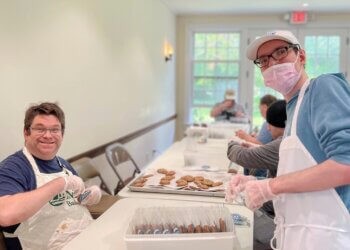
{"x":276,"y":114}
{"x":45,"y":108}
{"x":267,"y":100}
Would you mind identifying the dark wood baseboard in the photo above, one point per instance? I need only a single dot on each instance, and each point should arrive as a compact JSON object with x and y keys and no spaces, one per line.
{"x":124,"y":139}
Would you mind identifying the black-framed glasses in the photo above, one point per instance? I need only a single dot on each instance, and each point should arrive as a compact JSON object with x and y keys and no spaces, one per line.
{"x":277,"y":54}
{"x":42,"y":130}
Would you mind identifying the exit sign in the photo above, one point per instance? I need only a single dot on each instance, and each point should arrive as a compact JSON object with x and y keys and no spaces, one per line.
{"x":298,"y":17}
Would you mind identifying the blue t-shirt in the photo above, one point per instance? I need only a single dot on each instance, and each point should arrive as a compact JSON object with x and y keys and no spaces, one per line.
{"x":324,"y":122}
{"x":264,"y":135}
{"x":17,"y":176}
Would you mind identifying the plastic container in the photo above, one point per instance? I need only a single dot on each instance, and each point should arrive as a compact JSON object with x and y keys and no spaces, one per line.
{"x":177,"y":216}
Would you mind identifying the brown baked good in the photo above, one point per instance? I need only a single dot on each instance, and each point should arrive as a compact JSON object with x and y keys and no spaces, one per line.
{"x":216,"y":184}
{"x":162,"y":171}
{"x":222,"y":224}
{"x":169,"y":177}
{"x":232,"y":171}
{"x":188,"y":178}
{"x":202,"y":186}
{"x":181,"y":183}
{"x":164,"y":182}
{"x":213,"y":229}
{"x":171,"y":172}
{"x":138,"y":184}
{"x":198,"y":178}
{"x":190,"y":228}
{"x":207,"y":182}
{"x":206,"y":229}
{"x":198,"y":229}
{"x":141,"y":179}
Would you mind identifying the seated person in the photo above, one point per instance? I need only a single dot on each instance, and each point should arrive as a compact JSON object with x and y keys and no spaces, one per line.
{"x":42,"y":200}
{"x":264,"y":135}
{"x":263,"y":157}
{"x":227,"y":108}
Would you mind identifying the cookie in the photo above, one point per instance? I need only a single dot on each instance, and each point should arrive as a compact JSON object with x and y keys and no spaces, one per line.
{"x":162,"y":171}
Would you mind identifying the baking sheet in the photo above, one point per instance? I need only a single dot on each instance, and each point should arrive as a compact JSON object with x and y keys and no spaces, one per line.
{"x":152,"y":185}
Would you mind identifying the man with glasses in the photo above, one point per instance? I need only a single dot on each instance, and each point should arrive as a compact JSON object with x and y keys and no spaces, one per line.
{"x":41,"y":196}
{"x":311,"y":193}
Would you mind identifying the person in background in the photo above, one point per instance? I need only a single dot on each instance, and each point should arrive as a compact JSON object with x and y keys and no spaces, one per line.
{"x":264,"y":135}
{"x":311,"y":193}
{"x":42,"y":200}
{"x":262,"y":157}
{"x":228,"y":108}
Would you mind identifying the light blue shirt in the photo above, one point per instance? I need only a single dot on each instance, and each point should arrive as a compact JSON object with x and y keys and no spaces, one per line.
{"x":324,"y":122}
{"x":264,"y":135}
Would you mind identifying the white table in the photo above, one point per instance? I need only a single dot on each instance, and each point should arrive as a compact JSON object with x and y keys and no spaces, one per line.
{"x":108,"y":231}
{"x":220,"y":130}
{"x":173,"y":158}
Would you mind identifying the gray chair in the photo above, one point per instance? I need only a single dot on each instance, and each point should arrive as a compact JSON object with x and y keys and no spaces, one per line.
{"x":123,"y":165}
{"x":86,"y":170}
{"x":2,"y":241}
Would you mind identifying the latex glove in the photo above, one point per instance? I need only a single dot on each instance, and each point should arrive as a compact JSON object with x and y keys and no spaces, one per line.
{"x":257,"y":193}
{"x":74,"y":183}
{"x":241,"y":134}
{"x":90,"y":196}
{"x":236,"y":186}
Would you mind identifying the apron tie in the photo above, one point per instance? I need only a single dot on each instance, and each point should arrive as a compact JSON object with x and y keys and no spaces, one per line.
{"x":279,"y":232}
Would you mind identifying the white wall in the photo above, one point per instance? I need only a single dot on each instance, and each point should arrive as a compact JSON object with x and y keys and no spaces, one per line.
{"x":101,"y":60}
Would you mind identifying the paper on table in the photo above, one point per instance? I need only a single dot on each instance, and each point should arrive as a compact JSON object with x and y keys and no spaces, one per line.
{"x":206,"y":168}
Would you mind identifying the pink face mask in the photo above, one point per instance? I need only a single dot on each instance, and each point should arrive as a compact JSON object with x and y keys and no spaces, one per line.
{"x":282,"y":77}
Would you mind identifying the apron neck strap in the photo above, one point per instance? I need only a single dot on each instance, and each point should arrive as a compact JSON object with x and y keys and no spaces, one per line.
{"x":297,"y":107}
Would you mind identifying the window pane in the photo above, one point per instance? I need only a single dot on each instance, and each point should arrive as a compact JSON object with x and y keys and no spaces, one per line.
{"x":215,"y":69}
{"x":202,"y":114}
{"x":208,"y":91}
{"x":323,"y":54}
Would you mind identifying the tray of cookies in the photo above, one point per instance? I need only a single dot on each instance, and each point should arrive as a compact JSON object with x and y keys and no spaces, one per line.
{"x":164,"y":180}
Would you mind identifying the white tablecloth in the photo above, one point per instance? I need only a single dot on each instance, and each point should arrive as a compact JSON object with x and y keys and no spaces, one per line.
{"x":108,"y":231}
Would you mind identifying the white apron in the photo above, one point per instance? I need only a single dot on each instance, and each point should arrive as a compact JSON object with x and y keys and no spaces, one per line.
{"x":312,"y":220}
{"x":57,"y":222}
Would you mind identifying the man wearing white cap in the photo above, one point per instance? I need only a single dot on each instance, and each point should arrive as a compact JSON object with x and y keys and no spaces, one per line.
{"x":228,"y":108}
{"x":311,"y":193}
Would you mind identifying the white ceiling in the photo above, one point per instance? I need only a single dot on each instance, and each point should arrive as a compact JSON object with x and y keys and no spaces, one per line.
{"x":188,"y":7}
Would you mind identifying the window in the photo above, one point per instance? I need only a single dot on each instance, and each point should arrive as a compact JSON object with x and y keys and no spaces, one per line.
{"x":323,"y":54}
{"x":215,"y":68}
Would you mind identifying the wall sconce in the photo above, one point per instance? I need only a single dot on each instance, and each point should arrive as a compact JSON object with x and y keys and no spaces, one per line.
{"x":168,"y":51}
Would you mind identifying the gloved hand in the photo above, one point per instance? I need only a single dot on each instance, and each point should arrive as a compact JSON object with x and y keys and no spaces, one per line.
{"x":90,"y":196}
{"x":257,"y":193}
{"x":74,"y":183}
{"x":236,"y":186}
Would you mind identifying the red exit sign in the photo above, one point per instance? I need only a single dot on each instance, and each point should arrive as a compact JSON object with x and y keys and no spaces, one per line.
{"x":298,"y":17}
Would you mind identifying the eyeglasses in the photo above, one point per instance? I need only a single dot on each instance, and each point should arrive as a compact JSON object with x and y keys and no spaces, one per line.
{"x":277,"y":54}
{"x":42,"y":131}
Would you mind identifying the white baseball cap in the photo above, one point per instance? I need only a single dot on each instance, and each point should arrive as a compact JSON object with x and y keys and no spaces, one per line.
{"x":284,"y":35}
{"x":229,"y":94}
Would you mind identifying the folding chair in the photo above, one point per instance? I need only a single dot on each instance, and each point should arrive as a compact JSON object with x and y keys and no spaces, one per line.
{"x":2,"y":241}
{"x":123,"y":165}
{"x":86,"y":170}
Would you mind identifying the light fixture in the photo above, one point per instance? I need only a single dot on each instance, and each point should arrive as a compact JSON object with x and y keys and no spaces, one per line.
{"x":168,"y":51}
